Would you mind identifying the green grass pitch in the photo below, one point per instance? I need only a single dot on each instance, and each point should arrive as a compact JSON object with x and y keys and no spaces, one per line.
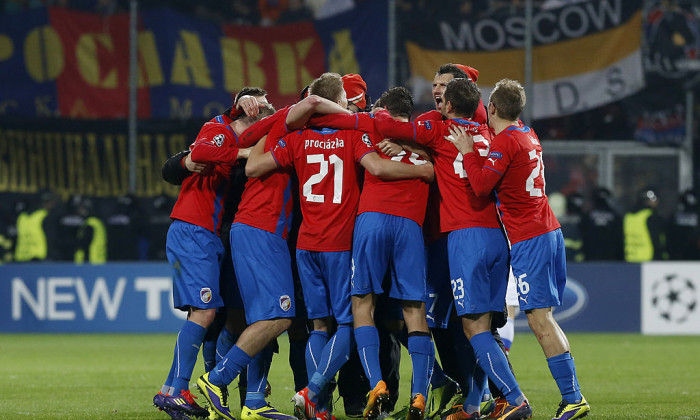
{"x":98,"y":376}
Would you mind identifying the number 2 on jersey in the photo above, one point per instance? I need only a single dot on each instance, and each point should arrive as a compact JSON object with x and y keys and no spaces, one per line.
{"x":538,"y":171}
{"x":318,"y":177}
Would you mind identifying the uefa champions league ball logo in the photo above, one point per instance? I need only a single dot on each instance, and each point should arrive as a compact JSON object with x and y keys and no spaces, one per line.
{"x":674,"y":297}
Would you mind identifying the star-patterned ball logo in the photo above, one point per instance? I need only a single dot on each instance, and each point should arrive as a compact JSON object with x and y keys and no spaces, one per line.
{"x":675,"y":298}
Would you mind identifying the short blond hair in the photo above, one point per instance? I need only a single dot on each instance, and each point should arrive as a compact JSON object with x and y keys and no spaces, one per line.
{"x":508,"y":97}
{"x":328,"y":86}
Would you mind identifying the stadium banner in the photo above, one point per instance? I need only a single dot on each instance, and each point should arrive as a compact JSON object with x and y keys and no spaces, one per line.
{"x":670,"y":297}
{"x":599,"y":297}
{"x":68,"y":298}
{"x":606,"y":34}
{"x":30,"y":60}
{"x":361,"y":47}
{"x":87,"y":157}
{"x":66,"y":63}
{"x":672,"y":31}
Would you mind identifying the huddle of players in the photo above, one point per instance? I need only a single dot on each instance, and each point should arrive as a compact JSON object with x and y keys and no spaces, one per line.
{"x":334,"y":245}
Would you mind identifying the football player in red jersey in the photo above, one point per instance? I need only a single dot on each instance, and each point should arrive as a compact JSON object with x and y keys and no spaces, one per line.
{"x":477,"y":248}
{"x":195,"y":250}
{"x":326,"y":163}
{"x":514,"y":169}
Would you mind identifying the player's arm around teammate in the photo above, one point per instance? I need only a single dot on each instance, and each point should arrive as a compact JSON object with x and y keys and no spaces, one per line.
{"x":514,"y":169}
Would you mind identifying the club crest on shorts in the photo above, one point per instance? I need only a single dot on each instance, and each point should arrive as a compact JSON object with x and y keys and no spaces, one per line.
{"x":285,"y":302}
{"x":205,"y":295}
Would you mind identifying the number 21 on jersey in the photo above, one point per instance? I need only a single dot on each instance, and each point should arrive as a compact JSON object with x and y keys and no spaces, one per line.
{"x":322,"y":172}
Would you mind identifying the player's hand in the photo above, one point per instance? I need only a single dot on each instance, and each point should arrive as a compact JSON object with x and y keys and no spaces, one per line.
{"x":429,"y":172}
{"x":389,"y":148}
{"x":249,"y":105}
{"x":461,"y":138}
{"x":244,"y":153}
{"x":198,"y":168}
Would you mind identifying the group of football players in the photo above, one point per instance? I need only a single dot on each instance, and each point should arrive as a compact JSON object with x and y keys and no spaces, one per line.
{"x":428,"y":215}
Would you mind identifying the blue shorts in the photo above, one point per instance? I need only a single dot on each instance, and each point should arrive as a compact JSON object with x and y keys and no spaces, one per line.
{"x":264,"y":272}
{"x":539,"y":268}
{"x":325,"y":282}
{"x":478,"y":269}
{"x":438,"y":304}
{"x":384,"y":242}
{"x":195,"y":254}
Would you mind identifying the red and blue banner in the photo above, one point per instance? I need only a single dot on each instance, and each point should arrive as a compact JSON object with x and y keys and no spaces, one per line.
{"x":65,"y":63}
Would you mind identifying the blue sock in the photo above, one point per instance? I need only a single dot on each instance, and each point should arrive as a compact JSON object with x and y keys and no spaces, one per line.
{"x":229,"y":367}
{"x":224,"y":343}
{"x":167,"y":385}
{"x":314,"y":349}
{"x":189,"y":339}
{"x":209,"y":354}
{"x":494,"y":363}
{"x":422,"y":352}
{"x":258,"y":368}
{"x":439,"y":378}
{"x":478,"y":384}
{"x":473,"y":374}
{"x":335,"y":354}
{"x":368,"y":347}
{"x":564,"y":373}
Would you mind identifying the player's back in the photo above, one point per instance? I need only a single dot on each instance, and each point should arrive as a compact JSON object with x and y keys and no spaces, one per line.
{"x":267,"y":202}
{"x":459,"y":207}
{"x":201,"y":198}
{"x":521,"y":192}
{"x":326,"y":164}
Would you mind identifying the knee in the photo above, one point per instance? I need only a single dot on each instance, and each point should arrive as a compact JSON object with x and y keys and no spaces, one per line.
{"x":203,"y":317}
{"x":282,"y":324}
{"x":540,"y":322}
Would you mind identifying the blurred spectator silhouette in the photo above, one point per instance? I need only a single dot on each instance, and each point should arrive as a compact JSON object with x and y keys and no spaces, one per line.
{"x":601,"y":227}
{"x":158,"y":225}
{"x":37,"y":234}
{"x":643,"y":229}
{"x":124,"y":228}
{"x":568,"y":212}
{"x":91,"y":236}
{"x":68,"y":224}
{"x":683,"y":229}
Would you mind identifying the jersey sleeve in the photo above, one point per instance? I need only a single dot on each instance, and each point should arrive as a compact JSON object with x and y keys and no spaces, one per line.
{"x":362,"y":121}
{"x":282,"y":153}
{"x":480,"y":115}
{"x":423,"y":132}
{"x":258,"y":130}
{"x":430,"y":116}
{"x":174,"y":171}
{"x":484,"y":174}
{"x":363,"y":143}
{"x":215,"y":144}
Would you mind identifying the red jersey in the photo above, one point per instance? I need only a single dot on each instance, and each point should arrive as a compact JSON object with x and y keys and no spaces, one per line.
{"x":480,"y":115}
{"x":402,"y":197}
{"x":514,"y":167}
{"x":201,"y":198}
{"x":431,"y":225}
{"x":459,"y":207}
{"x":267,"y":200}
{"x":329,"y":191}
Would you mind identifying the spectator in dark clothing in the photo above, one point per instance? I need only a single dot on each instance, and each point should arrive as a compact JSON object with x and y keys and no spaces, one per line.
{"x":123,"y":230}
{"x":684,"y":229}
{"x":601,"y":229}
